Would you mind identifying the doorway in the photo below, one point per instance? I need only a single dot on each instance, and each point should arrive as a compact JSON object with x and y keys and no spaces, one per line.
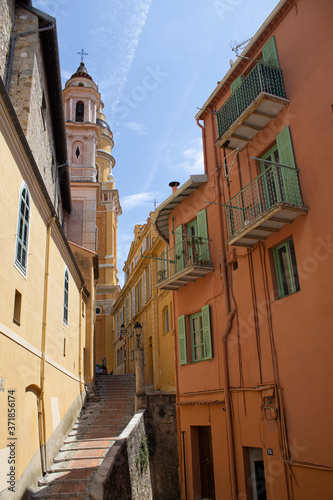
{"x":206,"y":463}
{"x":257,"y":473}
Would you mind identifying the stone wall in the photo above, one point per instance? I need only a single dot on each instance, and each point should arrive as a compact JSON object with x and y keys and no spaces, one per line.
{"x":28,"y":91}
{"x":161,"y":429}
{"x":7,"y":19}
{"x":125,"y":472}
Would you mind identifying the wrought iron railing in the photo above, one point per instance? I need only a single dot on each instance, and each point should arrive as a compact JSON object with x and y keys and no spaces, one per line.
{"x":277,"y":183}
{"x":189,"y":251}
{"x":263,"y":78}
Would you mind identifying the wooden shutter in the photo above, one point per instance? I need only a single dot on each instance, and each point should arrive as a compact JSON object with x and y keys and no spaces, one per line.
{"x":283,"y":142}
{"x":179,"y":251}
{"x":269,"y":53}
{"x":182,"y":340}
{"x":289,"y":177}
{"x":203,"y":233}
{"x":236,"y":83}
{"x":206,"y":332}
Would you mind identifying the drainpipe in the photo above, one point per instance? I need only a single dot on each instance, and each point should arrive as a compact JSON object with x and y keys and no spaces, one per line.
{"x":231,"y":314}
{"x":180,"y":448}
{"x":203,"y":143}
{"x":41,"y":404}
{"x":80,"y":340}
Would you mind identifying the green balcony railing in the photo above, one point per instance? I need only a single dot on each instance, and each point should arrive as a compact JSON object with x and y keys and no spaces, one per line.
{"x":189,"y":251}
{"x":263,"y":78}
{"x":277,"y":184}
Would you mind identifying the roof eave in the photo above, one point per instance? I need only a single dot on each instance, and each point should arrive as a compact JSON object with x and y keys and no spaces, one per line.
{"x":170,"y":203}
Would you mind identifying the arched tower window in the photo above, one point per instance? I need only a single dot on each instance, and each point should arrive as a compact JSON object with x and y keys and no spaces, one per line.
{"x":66,"y":292}
{"x":79,"y":111}
{"x":22,"y":237}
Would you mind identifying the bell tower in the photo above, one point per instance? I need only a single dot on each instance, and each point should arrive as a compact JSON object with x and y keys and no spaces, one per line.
{"x":95,"y":199}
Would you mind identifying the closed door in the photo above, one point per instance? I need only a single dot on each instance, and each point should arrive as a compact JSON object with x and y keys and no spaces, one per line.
{"x":206,"y":463}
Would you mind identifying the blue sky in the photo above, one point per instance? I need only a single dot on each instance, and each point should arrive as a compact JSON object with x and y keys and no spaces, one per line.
{"x":156,"y":62}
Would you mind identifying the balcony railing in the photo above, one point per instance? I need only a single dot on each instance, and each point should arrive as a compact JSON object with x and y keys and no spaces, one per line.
{"x":263,"y":78}
{"x":187,"y":260}
{"x":278,"y":184}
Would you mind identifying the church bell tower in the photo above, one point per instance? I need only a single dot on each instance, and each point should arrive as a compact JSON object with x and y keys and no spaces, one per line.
{"x":95,"y":200}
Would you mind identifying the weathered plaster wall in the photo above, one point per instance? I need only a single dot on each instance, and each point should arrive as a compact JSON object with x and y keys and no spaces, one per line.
{"x":161,"y":429}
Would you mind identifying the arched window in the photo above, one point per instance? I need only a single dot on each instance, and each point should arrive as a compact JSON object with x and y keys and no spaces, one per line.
{"x":66,"y":292}
{"x":22,"y":237}
{"x":79,"y":111}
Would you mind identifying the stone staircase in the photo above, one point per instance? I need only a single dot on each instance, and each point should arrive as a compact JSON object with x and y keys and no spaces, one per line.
{"x":102,"y":419}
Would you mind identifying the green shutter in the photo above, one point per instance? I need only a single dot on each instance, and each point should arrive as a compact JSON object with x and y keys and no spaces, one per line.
{"x":206,"y":333}
{"x":283,"y":142}
{"x":289,"y":177}
{"x":236,"y":83}
{"x":269,"y":53}
{"x":182,"y":340}
{"x":203,"y":233}
{"x":179,"y":248}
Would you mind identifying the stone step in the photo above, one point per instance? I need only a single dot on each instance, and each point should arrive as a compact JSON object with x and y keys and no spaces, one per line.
{"x":104,"y":416}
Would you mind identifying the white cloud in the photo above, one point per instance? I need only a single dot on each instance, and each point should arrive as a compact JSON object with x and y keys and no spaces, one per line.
{"x":118,"y":42}
{"x":192,"y":158}
{"x":65,"y":75}
{"x":139,"y":128}
{"x":140,"y":199}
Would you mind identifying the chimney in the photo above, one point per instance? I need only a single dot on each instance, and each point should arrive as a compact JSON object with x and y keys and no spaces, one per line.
{"x":174,"y":185}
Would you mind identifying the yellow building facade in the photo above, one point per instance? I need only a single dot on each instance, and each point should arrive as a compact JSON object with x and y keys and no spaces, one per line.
{"x":46,"y":302}
{"x":140,"y":301}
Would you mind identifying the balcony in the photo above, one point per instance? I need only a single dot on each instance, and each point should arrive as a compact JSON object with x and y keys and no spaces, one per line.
{"x":187,"y":261}
{"x":270,"y":201}
{"x":257,"y":100}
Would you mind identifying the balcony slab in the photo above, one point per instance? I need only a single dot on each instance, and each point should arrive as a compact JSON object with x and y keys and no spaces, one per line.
{"x":269,"y":222}
{"x":185,"y":276}
{"x":263,"y":109}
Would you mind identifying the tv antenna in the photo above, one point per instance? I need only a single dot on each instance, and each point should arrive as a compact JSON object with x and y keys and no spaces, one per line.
{"x":236,"y":47}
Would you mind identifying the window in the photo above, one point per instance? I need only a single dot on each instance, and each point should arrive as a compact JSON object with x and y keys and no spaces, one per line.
{"x":79,"y":111}
{"x":166,"y":322}
{"x":17,"y":308}
{"x":236,"y":83}
{"x":269,"y":53}
{"x":117,"y":326}
{"x":138,"y":295}
{"x":22,"y":238}
{"x":127,"y":311}
{"x":286,"y":269}
{"x":195,"y":331}
{"x":279,"y":182}
{"x":121,"y":316}
{"x":133,"y":303}
{"x":192,"y":244}
{"x":66,"y":290}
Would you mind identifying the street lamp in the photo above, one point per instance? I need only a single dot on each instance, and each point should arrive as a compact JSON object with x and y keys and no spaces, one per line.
{"x":137,"y":329}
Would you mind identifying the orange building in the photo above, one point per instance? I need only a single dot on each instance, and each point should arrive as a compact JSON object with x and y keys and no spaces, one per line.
{"x":250,"y":262}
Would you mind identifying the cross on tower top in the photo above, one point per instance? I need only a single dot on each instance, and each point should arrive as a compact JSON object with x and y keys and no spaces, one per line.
{"x":82,"y":53}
